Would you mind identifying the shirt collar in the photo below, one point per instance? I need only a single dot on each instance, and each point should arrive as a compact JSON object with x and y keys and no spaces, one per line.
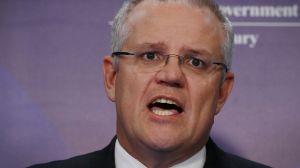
{"x":125,"y":160}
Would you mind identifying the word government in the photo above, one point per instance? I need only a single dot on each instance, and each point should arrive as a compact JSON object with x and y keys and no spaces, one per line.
{"x":262,"y":11}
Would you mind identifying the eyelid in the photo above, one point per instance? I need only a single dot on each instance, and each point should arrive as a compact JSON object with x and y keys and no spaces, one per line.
{"x":195,"y":55}
{"x":142,"y":53}
{"x":203,"y":58}
{"x":191,"y":58}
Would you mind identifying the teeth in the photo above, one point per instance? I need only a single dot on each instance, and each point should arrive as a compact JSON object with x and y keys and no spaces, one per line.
{"x":163,"y":112}
{"x":164,"y":101}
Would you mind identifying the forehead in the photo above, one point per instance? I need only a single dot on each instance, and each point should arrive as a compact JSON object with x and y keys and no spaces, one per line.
{"x":176,"y":24}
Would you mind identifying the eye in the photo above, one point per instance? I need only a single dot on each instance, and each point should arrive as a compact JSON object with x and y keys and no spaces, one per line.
{"x":196,"y":62}
{"x":150,"y":56}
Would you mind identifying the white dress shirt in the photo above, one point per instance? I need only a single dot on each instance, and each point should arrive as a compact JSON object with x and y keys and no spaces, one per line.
{"x":125,"y":160}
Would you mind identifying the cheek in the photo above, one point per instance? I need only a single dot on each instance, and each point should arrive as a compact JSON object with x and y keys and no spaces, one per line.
{"x":130,"y":88}
{"x":203,"y":97}
{"x":126,"y":97}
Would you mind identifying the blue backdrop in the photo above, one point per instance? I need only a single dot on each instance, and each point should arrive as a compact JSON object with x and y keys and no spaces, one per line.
{"x":52,"y":99}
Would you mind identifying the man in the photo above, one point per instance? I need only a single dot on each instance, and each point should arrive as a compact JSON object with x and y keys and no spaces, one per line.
{"x":169,"y":75}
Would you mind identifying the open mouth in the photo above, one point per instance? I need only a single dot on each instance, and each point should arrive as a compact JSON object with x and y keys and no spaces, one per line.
{"x":165,"y":107}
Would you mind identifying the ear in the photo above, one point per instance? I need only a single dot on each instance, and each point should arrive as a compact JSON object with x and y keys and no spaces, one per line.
{"x":109,"y":75}
{"x":225,"y":90}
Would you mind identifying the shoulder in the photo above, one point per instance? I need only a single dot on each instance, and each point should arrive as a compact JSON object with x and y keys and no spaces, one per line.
{"x":234,"y":161}
{"x":104,"y":157}
{"x":217,"y":158}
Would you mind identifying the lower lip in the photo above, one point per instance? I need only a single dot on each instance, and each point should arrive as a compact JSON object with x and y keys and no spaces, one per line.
{"x":164,"y":118}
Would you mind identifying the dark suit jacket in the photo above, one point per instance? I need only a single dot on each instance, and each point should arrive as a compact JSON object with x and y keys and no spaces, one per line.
{"x":215,"y":158}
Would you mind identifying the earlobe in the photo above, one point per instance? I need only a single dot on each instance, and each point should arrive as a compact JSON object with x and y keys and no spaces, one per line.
{"x":109,"y":77}
{"x":225,"y":90}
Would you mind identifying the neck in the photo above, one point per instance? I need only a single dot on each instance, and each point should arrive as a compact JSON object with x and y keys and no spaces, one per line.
{"x":158,"y":158}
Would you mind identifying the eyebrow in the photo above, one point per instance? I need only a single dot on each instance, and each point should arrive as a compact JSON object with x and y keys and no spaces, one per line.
{"x":190,"y":50}
{"x":157,"y":46}
{"x":161,"y":46}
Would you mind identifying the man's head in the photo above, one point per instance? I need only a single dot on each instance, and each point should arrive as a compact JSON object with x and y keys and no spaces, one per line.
{"x":121,"y":29}
{"x":165,"y":111}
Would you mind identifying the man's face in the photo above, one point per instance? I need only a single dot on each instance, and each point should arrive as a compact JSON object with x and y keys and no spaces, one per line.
{"x":172,"y":29}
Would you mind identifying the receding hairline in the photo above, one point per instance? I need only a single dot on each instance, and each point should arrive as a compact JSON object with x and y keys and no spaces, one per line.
{"x":138,"y":12}
{"x":138,"y":8}
{"x":121,"y":28}
{"x":213,"y":7}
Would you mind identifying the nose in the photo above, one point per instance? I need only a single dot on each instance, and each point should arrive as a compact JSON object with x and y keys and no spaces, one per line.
{"x":171,"y":74}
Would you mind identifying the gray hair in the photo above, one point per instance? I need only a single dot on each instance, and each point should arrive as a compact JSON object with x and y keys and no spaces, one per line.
{"x":120,"y":29}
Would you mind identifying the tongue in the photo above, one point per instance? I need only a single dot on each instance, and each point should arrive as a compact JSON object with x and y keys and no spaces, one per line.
{"x":165,"y":106}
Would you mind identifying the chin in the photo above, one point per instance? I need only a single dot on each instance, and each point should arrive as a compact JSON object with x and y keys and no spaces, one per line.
{"x":164,"y":143}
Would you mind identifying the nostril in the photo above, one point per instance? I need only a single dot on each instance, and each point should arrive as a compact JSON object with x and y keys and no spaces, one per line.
{"x":176,"y":84}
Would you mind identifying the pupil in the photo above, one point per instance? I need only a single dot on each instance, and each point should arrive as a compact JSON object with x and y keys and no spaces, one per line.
{"x":196,"y":62}
{"x":150,"y":56}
